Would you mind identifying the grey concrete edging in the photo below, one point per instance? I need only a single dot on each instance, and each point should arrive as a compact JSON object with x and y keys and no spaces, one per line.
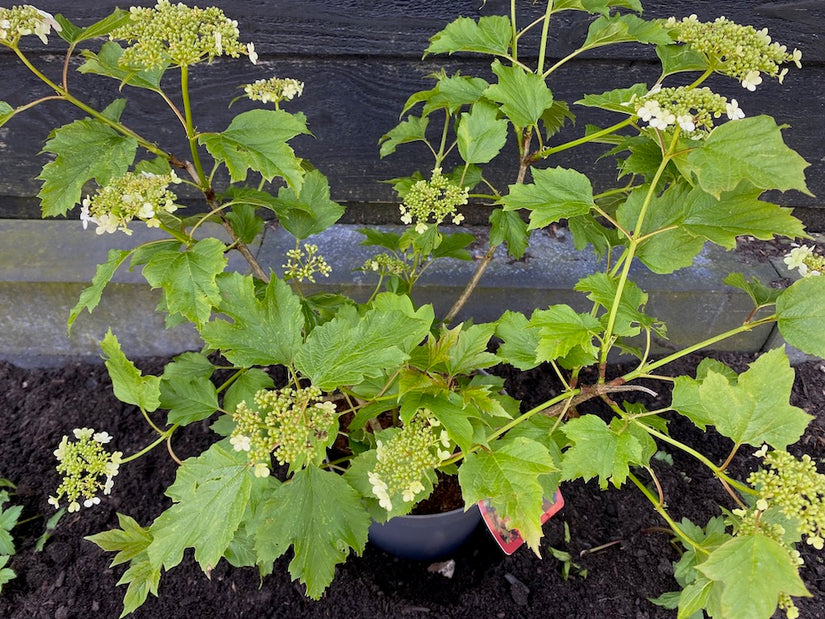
{"x":44,"y":265}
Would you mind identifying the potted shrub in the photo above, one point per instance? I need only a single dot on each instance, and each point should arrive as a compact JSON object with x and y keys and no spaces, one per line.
{"x":375,"y":400}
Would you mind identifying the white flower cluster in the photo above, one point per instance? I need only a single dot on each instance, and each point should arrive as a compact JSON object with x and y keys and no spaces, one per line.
{"x":178,"y":35}
{"x":131,"y":196}
{"x":741,"y":52}
{"x":805,"y":261}
{"x":406,"y":458}
{"x":433,"y":201}
{"x":82,"y":463}
{"x":274,"y":89}
{"x":303,"y":264}
{"x":296,"y":425}
{"x":692,"y":109}
{"x":20,"y":21}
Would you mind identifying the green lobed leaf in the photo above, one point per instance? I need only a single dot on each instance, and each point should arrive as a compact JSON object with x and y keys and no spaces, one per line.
{"x":247,"y":225}
{"x":596,"y":6}
{"x":470,"y":350}
{"x":320,"y":515}
{"x":625,"y":29}
{"x":752,"y":410}
{"x":737,"y":213}
{"x":351,"y":347}
{"x":129,"y":541}
{"x":599,"y":450}
{"x":759,"y":293}
{"x":188,"y":278}
{"x":508,"y":474}
{"x":520,"y":341}
{"x":128,"y":382}
{"x":308,"y":210}
{"x":209,"y":497}
{"x":74,"y":34}
{"x":673,"y":246}
{"x":555,"y":117}
{"x":257,"y":140}
{"x":556,"y":193}
{"x":143,"y":578}
{"x":6,"y":113}
{"x":523,"y":96}
{"x":679,"y":58}
{"x":617,"y":100}
{"x":561,"y":330}
{"x":508,"y":227}
{"x":414,"y":129}
{"x":6,"y":574}
{"x":454,"y":92}
{"x":489,"y":35}
{"x":263,"y":331}
{"x":750,"y":149}
{"x":801,"y":314}
{"x":602,"y":289}
{"x":480,"y":133}
{"x":754,"y":570}
{"x":185,"y":389}
{"x":454,"y":246}
{"x":90,"y":296}
{"x":84,"y":150}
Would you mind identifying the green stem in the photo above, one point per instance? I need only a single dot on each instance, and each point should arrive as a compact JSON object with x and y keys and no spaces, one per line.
{"x":150,"y":446}
{"x":699,"y":456}
{"x":634,"y":244}
{"x":545,"y":27}
{"x":190,"y":127}
{"x":543,"y":154}
{"x":64,"y":94}
{"x":567,"y":395}
{"x":646,"y":369}
{"x":514,"y":35}
{"x":663,"y":513}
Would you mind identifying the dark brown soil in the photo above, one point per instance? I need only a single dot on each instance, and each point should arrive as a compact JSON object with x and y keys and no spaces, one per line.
{"x":70,"y":577}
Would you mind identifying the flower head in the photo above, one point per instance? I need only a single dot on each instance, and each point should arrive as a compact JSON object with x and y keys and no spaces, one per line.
{"x":805,"y":261}
{"x":20,"y":21}
{"x":692,"y":109}
{"x":134,"y":195}
{"x":87,"y":468}
{"x":408,"y":458}
{"x":274,"y":89}
{"x":294,"y":425}
{"x":433,"y":201}
{"x":741,"y":52}
{"x":178,"y":35}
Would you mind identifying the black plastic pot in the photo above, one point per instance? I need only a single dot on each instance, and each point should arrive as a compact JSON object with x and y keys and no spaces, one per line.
{"x":427,"y":537}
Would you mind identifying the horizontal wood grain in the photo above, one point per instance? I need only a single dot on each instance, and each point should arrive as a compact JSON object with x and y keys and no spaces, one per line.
{"x":361,"y":59}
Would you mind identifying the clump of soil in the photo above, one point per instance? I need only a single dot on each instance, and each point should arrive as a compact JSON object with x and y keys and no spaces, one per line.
{"x":70,"y":577}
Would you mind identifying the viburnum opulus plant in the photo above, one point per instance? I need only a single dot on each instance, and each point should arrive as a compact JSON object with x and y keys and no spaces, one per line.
{"x":375,"y":396}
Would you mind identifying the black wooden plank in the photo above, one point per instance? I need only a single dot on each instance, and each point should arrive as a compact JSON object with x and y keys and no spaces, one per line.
{"x":403,"y":27}
{"x":360,"y":61}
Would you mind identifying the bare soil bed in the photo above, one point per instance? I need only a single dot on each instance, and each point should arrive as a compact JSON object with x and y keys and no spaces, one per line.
{"x":70,"y":577}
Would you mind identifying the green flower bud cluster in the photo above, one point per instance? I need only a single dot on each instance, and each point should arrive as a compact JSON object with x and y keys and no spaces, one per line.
{"x":304,"y":264}
{"x":20,"y":21}
{"x":806,"y":261}
{"x":385,"y":264}
{"x":297,"y":425}
{"x":406,"y":458}
{"x":83,"y":463}
{"x":142,"y":195}
{"x":693,"y":109}
{"x":274,"y":89}
{"x":433,"y":201}
{"x":179,"y":35}
{"x":742,"y":52}
{"x":797,"y":489}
